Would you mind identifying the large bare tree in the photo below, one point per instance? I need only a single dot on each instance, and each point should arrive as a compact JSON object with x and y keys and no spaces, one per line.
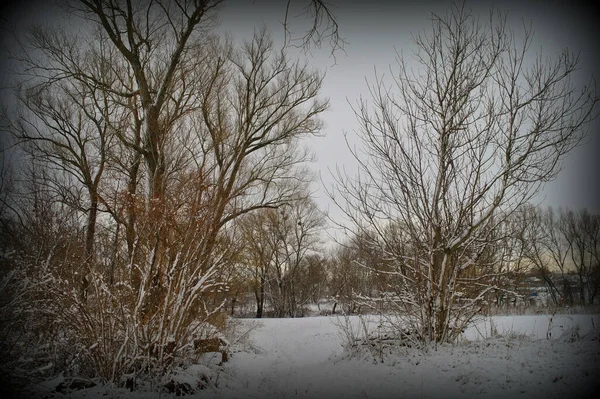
{"x":469,"y":130}
{"x":201,"y":132}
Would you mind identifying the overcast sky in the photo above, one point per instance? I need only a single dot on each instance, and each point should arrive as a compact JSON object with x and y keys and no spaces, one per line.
{"x":373,"y":30}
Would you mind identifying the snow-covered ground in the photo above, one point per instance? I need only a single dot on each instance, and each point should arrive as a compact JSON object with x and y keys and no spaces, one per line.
{"x":505,"y":356}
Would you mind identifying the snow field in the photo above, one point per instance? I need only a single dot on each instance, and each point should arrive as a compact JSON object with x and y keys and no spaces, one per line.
{"x":497,"y":357}
{"x":305,"y":358}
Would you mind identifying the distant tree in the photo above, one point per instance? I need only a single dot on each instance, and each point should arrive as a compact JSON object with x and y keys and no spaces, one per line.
{"x":313,"y":281}
{"x":358,"y":273}
{"x":258,"y":253}
{"x":562,"y":244}
{"x":451,"y":149}
{"x":281,"y":246}
{"x":548,"y":252}
{"x":583,"y":234}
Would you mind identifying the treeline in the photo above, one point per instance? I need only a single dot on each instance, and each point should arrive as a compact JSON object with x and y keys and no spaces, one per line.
{"x":564,"y":251}
{"x":287,"y":273}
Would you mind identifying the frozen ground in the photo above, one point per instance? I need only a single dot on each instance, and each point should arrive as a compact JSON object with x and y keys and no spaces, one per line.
{"x":507,"y":356}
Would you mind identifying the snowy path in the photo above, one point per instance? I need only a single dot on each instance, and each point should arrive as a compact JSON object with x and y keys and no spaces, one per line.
{"x":294,"y":357}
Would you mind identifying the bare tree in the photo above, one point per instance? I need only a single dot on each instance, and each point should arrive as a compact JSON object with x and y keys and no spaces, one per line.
{"x":299,"y":237}
{"x":547,"y":252}
{"x":359,"y":273}
{"x":575,"y":226}
{"x":147,"y":117}
{"x":451,"y":149}
{"x":279,"y":244}
{"x":149,"y":57}
{"x":563,"y":246}
{"x":157,"y":54}
{"x":63,"y":127}
{"x":345,"y":279}
{"x":231,"y":149}
{"x":259,"y":252}
{"x":506,"y":259}
{"x":583,"y":234}
{"x":324,"y":27}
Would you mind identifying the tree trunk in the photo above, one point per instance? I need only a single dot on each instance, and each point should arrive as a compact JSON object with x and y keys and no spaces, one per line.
{"x":259,"y":304}
{"x":90,"y":232}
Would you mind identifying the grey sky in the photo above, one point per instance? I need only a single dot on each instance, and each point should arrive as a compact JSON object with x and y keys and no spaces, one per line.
{"x":373,"y":29}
